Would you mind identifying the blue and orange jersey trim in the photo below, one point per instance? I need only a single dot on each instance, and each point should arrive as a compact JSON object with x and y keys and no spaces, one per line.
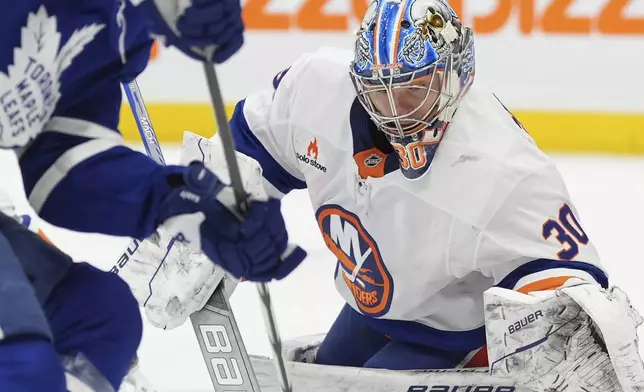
{"x":545,"y":274}
{"x":371,"y":160}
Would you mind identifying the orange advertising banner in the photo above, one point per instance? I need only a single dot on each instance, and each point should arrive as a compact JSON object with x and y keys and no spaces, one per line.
{"x":554,"y":18}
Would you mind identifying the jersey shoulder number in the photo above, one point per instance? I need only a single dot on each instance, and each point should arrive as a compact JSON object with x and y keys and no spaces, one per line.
{"x":567,"y":230}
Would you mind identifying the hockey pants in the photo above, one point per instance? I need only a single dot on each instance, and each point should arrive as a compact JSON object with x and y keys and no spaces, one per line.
{"x":60,"y":321}
{"x":351,"y":342}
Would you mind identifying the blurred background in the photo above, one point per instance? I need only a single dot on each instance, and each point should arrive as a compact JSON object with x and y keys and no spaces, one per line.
{"x":571,"y":70}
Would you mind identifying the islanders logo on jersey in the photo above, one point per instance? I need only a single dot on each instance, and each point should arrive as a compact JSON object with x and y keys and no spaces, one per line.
{"x":360,"y":263}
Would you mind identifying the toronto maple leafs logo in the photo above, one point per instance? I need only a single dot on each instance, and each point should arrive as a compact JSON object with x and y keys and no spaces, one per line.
{"x":30,"y":90}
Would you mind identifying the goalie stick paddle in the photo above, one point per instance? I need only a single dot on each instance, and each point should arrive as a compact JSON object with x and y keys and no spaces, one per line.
{"x":241,"y":198}
{"x":214,"y":325}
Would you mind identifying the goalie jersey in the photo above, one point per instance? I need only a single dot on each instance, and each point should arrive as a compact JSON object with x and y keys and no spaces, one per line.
{"x":414,"y":257}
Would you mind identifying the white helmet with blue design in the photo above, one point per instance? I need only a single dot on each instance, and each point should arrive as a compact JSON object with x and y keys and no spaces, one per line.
{"x":414,"y":61}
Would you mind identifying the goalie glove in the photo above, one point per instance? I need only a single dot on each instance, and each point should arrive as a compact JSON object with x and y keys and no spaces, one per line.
{"x":201,"y":211}
{"x":579,"y":337}
{"x":169,"y":280}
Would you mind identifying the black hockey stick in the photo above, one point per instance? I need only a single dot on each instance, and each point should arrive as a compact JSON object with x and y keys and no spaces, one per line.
{"x":242,"y":203}
{"x":215,"y":327}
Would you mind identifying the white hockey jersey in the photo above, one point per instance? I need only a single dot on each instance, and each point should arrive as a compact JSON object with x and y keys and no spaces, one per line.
{"x":416,"y":256}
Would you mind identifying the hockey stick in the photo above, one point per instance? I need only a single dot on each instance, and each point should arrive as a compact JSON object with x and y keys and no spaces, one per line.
{"x":215,"y":327}
{"x":240,"y":195}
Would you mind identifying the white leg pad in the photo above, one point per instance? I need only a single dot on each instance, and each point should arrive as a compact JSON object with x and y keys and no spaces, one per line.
{"x":579,"y":337}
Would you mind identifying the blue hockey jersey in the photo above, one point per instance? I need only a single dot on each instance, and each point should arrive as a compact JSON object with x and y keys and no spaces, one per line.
{"x":62,"y":65}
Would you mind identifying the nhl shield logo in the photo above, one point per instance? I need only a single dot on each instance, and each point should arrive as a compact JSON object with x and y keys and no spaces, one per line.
{"x":373,"y":160}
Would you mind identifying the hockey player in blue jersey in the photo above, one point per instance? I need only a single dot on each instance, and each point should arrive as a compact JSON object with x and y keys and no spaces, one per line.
{"x":63,"y":62}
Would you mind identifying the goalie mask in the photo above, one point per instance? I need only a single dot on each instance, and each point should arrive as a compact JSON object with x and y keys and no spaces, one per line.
{"x":413,"y":62}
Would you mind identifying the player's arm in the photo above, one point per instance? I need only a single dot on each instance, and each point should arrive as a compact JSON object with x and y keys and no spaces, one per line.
{"x":78,"y":174}
{"x":535,"y":241}
{"x":264,"y":125}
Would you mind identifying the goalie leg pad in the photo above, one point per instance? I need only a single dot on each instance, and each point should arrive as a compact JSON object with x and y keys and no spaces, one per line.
{"x":617,"y":322}
{"x":579,"y":337}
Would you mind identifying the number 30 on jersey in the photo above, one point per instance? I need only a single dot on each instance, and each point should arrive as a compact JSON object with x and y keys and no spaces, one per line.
{"x":567,"y":230}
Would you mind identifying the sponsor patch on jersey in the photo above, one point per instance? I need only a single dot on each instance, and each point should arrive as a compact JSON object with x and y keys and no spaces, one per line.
{"x":31,"y":87}
{"x":312,"y":155}
{"x":360,"y":263}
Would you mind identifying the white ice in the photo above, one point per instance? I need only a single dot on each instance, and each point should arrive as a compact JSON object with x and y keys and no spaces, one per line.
{"x":608,"y":193}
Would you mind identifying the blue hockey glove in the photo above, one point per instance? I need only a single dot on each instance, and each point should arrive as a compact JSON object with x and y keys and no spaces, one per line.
{"x":201,"y":211}
{"x":202,"y":29}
